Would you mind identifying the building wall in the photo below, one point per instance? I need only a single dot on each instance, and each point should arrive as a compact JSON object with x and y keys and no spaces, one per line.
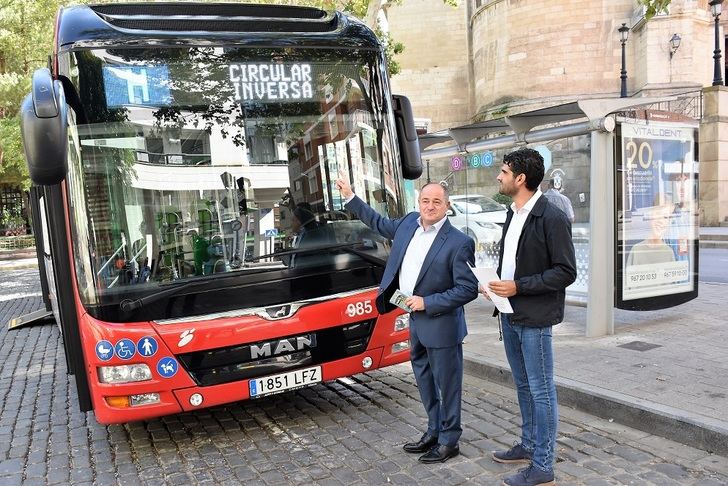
{"x":435,"y":64}
{"x":651,"y":67}
{"x":496,"y":57}
{"x":461,"y":63}
{"x":544,"y":48}
{"x":714,"y":157}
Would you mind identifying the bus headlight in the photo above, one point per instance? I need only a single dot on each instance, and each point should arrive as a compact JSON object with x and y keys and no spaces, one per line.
{"x":401,"y":322}
{"x":124,"y":373}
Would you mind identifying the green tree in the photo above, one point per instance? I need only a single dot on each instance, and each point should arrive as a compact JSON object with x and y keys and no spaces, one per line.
{"x":654,"y":7}
{"x":25,"y":44}
{"x":13,"y":170}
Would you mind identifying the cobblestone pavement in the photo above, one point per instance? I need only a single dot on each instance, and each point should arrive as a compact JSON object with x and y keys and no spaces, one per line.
{"x":344,"y":432}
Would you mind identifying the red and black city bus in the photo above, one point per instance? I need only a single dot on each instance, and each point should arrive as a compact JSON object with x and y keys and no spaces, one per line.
{"x":193,"y":246}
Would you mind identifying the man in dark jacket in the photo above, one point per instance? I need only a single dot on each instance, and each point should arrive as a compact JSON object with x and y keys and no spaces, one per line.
{"x":536,"y":265}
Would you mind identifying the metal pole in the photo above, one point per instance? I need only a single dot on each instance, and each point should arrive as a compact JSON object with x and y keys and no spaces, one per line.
{"x":507,"y":141}
{"x":600,"y":301}
{"x":717,"y":69}
{"x":623,"y":73}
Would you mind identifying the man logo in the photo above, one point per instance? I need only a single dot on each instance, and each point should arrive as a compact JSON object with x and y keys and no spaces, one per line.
{"x":282,"y":311}
{"x":283,"y":346}
{"x":278,"y":312}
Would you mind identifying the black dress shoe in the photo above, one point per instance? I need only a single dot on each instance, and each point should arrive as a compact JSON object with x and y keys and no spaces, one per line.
{"x":439,"y":453}
{"x":423,"y":445}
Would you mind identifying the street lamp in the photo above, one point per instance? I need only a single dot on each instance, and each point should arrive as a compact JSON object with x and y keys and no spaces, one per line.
{"x":623,"y":35}
{"x":674,"y":44}
{"x":715,"y":8}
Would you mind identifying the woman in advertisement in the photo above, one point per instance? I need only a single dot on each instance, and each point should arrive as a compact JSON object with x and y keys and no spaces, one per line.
{"x":654,"y":248}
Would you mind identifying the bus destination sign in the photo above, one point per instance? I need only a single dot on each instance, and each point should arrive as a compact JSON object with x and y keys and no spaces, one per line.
{"x":267,"y":82}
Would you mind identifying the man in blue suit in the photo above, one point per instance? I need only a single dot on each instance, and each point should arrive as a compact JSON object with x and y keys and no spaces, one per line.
{"x":429,"y":263}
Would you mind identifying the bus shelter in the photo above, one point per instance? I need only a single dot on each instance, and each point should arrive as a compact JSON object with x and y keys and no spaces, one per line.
{"x":626,"y":172}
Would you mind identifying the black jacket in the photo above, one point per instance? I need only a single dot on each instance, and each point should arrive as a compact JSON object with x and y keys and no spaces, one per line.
{"x":545,"y":266}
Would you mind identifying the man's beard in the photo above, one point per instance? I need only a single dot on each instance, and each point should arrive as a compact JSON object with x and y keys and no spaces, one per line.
{"x":505,"y":191}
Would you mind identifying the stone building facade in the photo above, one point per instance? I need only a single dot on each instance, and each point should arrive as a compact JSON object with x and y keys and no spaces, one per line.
{"x":485,"y":58}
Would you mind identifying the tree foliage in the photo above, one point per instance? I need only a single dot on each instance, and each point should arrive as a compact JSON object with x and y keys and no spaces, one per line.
{"x":25,"y":43}
{"x":654,"y":7}
{"x":13,"y":88}
{"x":13,"y":170}
{"x":25,"y":39}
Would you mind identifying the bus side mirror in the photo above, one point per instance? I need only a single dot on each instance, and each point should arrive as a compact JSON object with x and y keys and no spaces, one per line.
{"x":409,"y":144}
{"x":44,"y":130}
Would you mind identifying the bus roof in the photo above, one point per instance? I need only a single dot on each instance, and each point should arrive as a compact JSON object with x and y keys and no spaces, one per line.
{"x":200,"y":24}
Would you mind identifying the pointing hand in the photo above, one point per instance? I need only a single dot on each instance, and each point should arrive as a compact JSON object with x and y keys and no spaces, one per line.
{"x":342,"y":183}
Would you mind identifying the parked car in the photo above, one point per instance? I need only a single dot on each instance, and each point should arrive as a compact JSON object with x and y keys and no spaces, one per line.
{"x":480,"y":217}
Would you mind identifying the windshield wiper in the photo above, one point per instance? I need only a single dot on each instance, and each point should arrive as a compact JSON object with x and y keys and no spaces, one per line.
{"x":128,"y":305}
{"x":366,"y":256}
{"x":347,"y":247}
{"x":302,"y":250}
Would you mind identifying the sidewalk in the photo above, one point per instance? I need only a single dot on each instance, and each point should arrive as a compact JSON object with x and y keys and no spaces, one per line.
{"x":664,"y":371}
{"x":714,"y":237}
{"x":17,"y":259}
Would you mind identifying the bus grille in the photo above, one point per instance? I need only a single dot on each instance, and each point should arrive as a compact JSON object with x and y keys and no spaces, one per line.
{"x":185,"y":17}
{"x":245,"y":361}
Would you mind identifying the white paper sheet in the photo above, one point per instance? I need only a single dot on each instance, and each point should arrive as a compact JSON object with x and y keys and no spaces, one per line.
{"x":488,"y":274}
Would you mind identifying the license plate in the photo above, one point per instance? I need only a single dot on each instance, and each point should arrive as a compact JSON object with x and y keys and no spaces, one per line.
{"x":284,"y":381}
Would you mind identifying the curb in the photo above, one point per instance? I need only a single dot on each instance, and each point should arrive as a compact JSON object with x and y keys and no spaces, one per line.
{"x":6,"y":266}
{"x":674,"y":424}
{"x":723,"y":244}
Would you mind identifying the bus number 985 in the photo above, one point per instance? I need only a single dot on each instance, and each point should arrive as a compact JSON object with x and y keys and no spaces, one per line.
{"x":359,"y":308}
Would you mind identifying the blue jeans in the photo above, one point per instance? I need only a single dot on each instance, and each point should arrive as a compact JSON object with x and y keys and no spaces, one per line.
{"x":531,"y":358}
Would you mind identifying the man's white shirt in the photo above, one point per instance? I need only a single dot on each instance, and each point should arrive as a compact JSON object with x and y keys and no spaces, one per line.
{"x":415,"y":255}
{"x":510,"y":242}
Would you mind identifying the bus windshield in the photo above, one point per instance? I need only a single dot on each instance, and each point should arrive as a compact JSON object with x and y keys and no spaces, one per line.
{"x":220,"y":162}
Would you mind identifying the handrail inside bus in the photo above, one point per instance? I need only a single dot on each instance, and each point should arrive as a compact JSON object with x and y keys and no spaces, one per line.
{"x":121,"y":247}
{"x":134,"y":258}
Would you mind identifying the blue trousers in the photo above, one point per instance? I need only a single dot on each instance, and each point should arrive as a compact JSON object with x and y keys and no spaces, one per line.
{"x":439,"y":376}
{"x":531,"y":358}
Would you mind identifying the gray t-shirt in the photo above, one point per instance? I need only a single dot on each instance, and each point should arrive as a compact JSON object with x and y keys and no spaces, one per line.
{"x":644,"y":253}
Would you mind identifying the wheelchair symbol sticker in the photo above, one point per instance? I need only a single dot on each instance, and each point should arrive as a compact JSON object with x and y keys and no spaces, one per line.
{"x":167,"y":367}
{"x":147,"y":346}
{"x":104,"y":350}
{"x":125,"y":348}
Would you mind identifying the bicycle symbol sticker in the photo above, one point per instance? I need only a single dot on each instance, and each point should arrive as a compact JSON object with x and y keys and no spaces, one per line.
{"x":125,"y":348}
{"x":147,"y":346}
{"x":167,"y":367}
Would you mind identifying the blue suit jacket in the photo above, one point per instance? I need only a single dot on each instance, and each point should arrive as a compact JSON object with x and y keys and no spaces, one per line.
{"x":445,"y":281}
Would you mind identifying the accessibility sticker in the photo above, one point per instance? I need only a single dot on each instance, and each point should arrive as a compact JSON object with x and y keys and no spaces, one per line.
{"x":147,"y":346}
{"x":125,"y":348}
{"x":167,"y":367}
{"x":104,"y":350}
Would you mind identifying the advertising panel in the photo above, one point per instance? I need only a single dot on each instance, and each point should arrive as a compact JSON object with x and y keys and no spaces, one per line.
{"x":657,"y":215}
